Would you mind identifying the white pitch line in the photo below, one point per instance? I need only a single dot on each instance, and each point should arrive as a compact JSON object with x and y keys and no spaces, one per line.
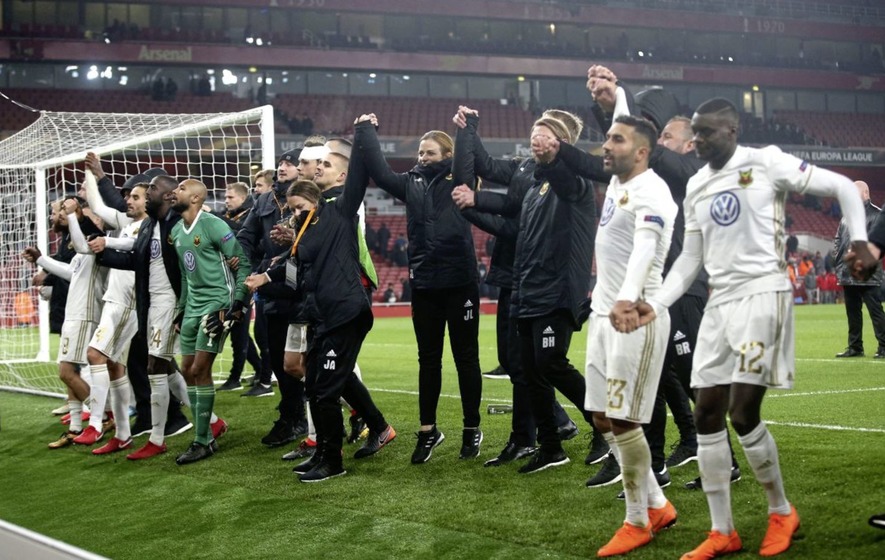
{"x":826,"y":427}
{"x":772,"y":422}
{"x":840,"y":361}
{"x":780,"y":395}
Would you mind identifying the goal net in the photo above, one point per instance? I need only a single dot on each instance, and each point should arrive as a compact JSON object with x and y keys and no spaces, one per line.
{"x":44,"y":162}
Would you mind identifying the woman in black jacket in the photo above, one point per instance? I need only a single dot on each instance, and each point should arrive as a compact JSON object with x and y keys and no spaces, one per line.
{"x":324,"y":267}
{"x":443,"y":276}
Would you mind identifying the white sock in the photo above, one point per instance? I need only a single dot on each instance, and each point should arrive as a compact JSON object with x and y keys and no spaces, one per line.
{"x":311,"y":429}
{"x":159,"y":407}
{"x":98,"y":394}
{"x":714,"y":463}
{"x":761,"y":452}
{"x":120,"y":406}
{"x":179,"y":388}
{"x":86,"y":376}
{"x":609,"y":438}
{"x":635,"y":466}
{"x":76,"y":410}
{"x":656,"y":498}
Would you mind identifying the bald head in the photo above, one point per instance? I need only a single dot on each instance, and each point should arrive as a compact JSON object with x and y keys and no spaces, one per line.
{"x":863,"y":189}
{"x":190,"y":194}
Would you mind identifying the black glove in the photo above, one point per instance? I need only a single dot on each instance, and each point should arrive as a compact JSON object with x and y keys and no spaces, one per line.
{"x":221,"y":321}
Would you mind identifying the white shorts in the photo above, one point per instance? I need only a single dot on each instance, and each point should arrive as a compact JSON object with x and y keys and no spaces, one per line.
{"x":115,"y":332}
{"x":749,"y":340}
{"x":623,"y":370}
{"x":296,"y":338}
{"x":162,"y":338}
{"x":74,"y":340}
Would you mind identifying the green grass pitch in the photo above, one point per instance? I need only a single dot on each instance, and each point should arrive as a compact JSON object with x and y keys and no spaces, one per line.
{"x":246,"y":503}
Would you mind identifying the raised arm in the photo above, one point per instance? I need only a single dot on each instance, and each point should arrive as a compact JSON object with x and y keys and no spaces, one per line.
{"x":106,"y":188}
{"x":357,"y":178}
{"x":463,"y":161}
{"x":78,"y":240}
{"x":114,"y":218}
{"x":377,"y":167}
{"x":56,"y":268}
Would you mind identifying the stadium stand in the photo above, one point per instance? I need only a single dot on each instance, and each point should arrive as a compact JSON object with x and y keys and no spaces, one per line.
{"x":838,"y":129}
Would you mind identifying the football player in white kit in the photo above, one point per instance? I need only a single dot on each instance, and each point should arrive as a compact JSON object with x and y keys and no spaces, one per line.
{"x":734,"y":226}
{"x":623,"y":370}
{"x":118,"y":325}
{"x":82,"y":312}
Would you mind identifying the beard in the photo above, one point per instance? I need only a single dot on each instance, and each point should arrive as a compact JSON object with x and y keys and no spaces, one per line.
{"x":180,"y":206}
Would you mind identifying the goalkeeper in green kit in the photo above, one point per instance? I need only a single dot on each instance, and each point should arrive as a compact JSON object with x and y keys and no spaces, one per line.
{"x":213,"y":297}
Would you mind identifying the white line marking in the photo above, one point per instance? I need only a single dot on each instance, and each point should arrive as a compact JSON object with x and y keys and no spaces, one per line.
{"x":825,"y":427}
{"x":772,"y":422}
{"x":815,"y":393}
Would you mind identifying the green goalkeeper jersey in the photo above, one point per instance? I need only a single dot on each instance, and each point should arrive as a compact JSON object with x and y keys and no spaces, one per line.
{"x":207,"y":282}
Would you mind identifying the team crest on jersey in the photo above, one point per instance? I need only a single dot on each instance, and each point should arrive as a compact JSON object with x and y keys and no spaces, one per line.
{"x":746,"y":177}
{"x":155,"y":248}
{"x":544,"y":188}
{"x":197,"y":241}
{"x":803,"y":166}
{"x":608,"y":210}
{"x":169,"y":239}
{"x":190,"y":260}
{"x":725,"y":208}
{"x":624,"y":200}
{"x":78,"y":264}
{"x":449,"y":177}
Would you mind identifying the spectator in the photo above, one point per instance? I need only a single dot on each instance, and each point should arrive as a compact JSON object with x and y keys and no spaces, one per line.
{"x":792,"y":245}
{"x":389,"y":294}
{"x":170,"y":89}
{"x":306,"y":124}
{"x":383,"y":242}
{"x":400,"y":251}
{"x":490,"y":245}
{"x":483,"y":271}
{"x":371,"y":238}
{"x":818,"y":262}
{"x":405,"y":294}
{"x":811,"y":288}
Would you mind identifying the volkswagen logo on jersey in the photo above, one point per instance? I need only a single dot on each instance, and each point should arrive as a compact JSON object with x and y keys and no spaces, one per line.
{"x":725,"y":209}
{"x":608,"y":210}
{"x":190,"y":261}
{"x":155,"y":248}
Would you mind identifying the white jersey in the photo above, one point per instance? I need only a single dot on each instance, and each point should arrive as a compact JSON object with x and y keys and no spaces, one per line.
{"x":88,"y":281}
{"x":160,"y":288}
{"x":739,"y":212}
{"x":643,"y":202}
{"x":121,"y":283}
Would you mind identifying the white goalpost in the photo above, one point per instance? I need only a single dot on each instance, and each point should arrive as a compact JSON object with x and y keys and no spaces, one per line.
{"x":44,"y":162}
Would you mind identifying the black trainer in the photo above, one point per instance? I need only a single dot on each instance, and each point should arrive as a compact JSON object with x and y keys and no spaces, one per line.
{"x":375,"y":442}
{"x":599,"y":448}
{"x":544,"y":460}
{"x":301,"y":428}
{"x":322,"y":471}
{"x":140,"y":428}
{"x":497,"y":373}
{"x":307,"y":465}
{"x":232,"y":384}
{"x":197,"y":452}
{"x":259,"y":390}
{"x":682,"y":454}
{"x":567,"y":431}
{"x":177,"y":427}
{"x":696,"y":484}
{"x":357,"y":426}
{"x":305,"y":449}
{"x":282,"y":433}
{"x":511,"y":452}
{"x":427,"y":441}
{"x":609,"y":473}
{"x":471,"y":438}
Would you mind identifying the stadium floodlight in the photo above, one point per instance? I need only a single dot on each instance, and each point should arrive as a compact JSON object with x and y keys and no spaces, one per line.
{"x":41,"y":162}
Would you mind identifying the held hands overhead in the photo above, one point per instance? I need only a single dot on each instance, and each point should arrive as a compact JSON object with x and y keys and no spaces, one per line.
{"x":463,"y":197}
{"x":602,"y":83}
{"x":460,"y":118}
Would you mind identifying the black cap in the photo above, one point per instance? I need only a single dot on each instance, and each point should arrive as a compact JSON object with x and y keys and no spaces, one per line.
{"x":291,"y":156}
{"x":658,"y":106}
{"x":134,"y":180}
